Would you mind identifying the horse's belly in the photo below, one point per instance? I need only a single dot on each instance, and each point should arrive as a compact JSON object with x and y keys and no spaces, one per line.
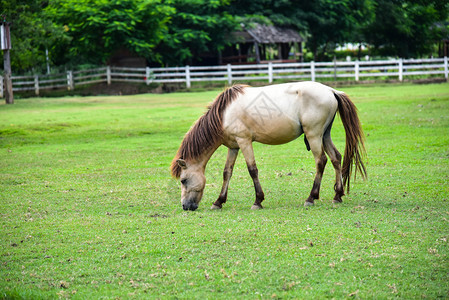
{"x":277,"y":132}
{"x":273,"y":130}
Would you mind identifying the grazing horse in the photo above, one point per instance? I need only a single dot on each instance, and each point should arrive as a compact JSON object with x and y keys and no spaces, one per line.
{"x":273,"y":115}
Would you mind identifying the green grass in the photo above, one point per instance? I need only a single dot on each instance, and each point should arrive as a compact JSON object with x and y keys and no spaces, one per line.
{"x":88,"y":208}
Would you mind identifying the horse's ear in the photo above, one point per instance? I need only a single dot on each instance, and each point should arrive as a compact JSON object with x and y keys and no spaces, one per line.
{"x":182,"y":163}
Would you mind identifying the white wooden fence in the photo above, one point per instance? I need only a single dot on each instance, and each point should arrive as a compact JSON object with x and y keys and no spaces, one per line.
{"x":326,"y":71}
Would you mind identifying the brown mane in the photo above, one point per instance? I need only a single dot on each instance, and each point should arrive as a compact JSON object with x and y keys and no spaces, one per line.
{"x":207,"y":131}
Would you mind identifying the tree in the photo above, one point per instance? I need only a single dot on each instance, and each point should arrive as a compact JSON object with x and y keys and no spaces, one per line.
{"x":406,"y":28}
{"x":323,"y":22}
{"x":31,"y":34}
{"x":98,"y":28}
{"x":178,"y":32}
{"x":196,"y":27}
{"x":283,"y":13}
{"x":334,"y":22}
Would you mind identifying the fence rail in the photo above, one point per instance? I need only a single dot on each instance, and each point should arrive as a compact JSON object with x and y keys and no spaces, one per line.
{"x":385,"y":69}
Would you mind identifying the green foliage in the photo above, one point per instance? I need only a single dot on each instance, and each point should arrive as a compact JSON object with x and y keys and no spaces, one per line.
{"x":196,"y":27}
{"x":324,"y":23}
{"x":179,"y":32}
{"x":331,"y":22}
{"x":99,"y":28}
{"x":407,"y":28}
{"x":280,"y":12}
{"x":31,"y":33}
{"x":88,"y":209}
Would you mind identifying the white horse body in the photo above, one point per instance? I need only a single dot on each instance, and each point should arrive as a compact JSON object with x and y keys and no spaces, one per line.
{"x":277,"y":114}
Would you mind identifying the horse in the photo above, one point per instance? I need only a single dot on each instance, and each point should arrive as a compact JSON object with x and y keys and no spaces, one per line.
{"x":273,"y":115}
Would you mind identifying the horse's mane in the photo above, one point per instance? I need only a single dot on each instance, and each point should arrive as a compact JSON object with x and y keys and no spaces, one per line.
{"x":207,"y":131}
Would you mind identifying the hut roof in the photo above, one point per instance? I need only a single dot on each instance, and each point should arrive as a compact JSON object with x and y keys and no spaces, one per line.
{"x":265,"y":34}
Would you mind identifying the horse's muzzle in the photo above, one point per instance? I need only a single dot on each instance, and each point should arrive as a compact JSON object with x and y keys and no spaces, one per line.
{"x":190,"y":206}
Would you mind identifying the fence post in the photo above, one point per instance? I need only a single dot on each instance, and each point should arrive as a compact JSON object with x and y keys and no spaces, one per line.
{"x":1,"y":86}
{"x":70,"y":85}
{"x":446,"y":71}
{"x":108,"y":75}
{"x":188,"y":76}
{"x":36,"y":85}
{"x":312,"y":70}
{"x":229,"y":74}
{"x":335,"y":68}
{"x":400,"y":70}
{"x":357,"y":70}
{"x":270,"y":72}
{"x":147,"y":75}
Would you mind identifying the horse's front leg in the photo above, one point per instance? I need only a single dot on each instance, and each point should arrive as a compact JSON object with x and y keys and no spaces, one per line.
{"x":227,"y":173}
{"x":248,"y":152}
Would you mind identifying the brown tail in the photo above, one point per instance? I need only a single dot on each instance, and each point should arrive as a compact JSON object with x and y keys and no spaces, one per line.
{"x":355,"y":147}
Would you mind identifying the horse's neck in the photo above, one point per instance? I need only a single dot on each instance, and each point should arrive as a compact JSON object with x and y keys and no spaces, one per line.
{"x":205,"y":157}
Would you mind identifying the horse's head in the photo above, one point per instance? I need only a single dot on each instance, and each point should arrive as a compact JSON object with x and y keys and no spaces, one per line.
{"x":193,"y":182}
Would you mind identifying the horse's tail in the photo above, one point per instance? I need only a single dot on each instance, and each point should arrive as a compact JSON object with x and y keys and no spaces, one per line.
{"x":355,"y":147}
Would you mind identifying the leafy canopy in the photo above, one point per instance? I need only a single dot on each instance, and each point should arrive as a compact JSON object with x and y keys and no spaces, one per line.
{"x":178,"y":32}
{"x":196,"y":27}
{"x":98,"y":28}
{"x":31,"y":33}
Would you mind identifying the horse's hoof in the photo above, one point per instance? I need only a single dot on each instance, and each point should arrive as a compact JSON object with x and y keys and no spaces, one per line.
{"x":337,"y":201}
{"x":215,"y":207}
{"x":307,"y":203}
{"x":256,"y":207}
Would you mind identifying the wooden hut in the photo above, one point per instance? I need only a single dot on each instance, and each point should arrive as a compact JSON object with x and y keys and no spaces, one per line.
{"x":261,"y":43}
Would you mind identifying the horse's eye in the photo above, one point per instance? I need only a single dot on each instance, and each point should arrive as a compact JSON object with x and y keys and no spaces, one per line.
{"x":184,"y":181}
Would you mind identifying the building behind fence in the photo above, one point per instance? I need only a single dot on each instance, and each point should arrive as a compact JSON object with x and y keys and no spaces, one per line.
{"x":326,"y":71}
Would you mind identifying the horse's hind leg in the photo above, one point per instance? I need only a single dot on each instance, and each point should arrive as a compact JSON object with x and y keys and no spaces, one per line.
{"x":335,"y":157}
{"x":227,"y":173}
{"x":316,"y":145}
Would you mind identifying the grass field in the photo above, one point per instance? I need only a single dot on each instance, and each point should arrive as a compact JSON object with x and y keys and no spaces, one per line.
{"x":88,"y":208}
